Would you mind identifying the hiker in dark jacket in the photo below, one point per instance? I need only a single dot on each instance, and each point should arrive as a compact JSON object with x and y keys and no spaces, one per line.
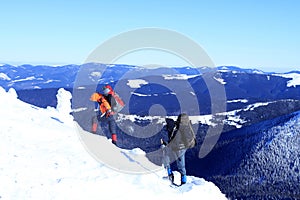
{"x":179,"y":142}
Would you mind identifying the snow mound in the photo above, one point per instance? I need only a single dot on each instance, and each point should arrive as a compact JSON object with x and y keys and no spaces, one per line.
{"x":42,"y":157}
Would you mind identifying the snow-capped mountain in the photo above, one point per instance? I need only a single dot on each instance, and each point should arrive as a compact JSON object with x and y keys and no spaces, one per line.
{"x":235,"y":69}
{"x":42,"y":157}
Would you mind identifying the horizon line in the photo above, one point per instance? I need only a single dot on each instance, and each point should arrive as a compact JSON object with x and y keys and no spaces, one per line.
{"x":61,"y":64}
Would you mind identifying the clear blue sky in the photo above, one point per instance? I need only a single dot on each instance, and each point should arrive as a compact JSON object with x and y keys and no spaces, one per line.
{"x":263,"y":34}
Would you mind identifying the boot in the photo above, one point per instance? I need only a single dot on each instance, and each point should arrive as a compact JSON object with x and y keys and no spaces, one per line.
{"x":170,"y":175}
{"x":183,"y":179}
{"x":114,"y":138}
{"x":94,"y":128}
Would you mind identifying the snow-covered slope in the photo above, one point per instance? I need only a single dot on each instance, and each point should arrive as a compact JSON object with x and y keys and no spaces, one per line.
{"x":42,"y":157}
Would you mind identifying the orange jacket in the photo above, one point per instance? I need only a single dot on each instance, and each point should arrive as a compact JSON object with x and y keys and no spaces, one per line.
{"x":103,"y":104}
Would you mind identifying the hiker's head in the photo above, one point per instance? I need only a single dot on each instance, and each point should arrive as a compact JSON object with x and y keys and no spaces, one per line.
{"x":170,"y":123}
{"x":107,"y":90}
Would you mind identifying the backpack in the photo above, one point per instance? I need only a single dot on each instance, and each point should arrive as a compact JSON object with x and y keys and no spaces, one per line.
{"x":183,"y":136}
{"x":185,"y":129}
{"x":117,"y":103}
{"x":114,"y":99}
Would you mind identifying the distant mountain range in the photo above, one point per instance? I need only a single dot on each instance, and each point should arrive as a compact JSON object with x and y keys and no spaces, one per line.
{"x":41,"y":76}
{"x":243,"y":86}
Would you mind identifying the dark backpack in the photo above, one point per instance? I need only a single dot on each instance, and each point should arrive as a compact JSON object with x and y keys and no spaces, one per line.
{"x":183,"y":137}
{"x":185,"y":129}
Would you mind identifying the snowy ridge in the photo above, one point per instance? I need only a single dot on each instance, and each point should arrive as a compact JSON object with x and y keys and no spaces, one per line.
{"x":4,"y":77}
{"x":232,"y":117}
{"x":24,"y":79}
{"x":237,"y":100}
{"x":136,"y":83}
{"x":178,"y":76}
{"x":153,"y":94}
{"x":220,"y":80}
{"x":42,"y":157}
{"x":234,"y":69}
{"x":295,"y":79}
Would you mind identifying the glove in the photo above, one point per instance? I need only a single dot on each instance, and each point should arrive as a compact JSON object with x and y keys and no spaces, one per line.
{"x":109,"y":113}
{"x":162,"y":142}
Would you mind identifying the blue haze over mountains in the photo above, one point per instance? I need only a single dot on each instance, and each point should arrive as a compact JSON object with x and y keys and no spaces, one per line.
{"x":264,"y":103}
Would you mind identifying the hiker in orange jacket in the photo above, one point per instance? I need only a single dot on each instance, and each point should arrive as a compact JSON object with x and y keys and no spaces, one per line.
{"x":104,"y":114}
{"x":109,"y":104}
